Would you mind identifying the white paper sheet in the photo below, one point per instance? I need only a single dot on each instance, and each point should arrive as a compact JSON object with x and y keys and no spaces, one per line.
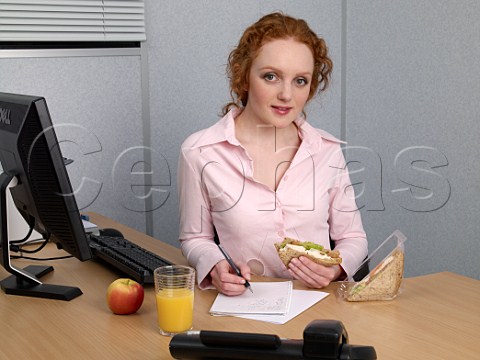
{"x":301,"y":301}
{"x":267,"y":298}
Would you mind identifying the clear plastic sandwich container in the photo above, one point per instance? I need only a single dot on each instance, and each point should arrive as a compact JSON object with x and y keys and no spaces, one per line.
{"x":380,"y":275}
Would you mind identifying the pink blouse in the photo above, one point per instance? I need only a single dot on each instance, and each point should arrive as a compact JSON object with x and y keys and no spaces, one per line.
{"x":216,"y":187}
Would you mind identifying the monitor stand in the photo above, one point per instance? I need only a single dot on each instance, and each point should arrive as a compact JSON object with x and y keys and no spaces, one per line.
{"x":13,"y":285}
{"x":25,"y":281}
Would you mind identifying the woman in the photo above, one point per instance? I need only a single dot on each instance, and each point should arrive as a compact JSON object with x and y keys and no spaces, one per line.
{"x":263,"y":172}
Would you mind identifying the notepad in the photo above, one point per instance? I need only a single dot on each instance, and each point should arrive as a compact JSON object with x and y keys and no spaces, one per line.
{"x":301,"y":301}
{"x":268,"y":298}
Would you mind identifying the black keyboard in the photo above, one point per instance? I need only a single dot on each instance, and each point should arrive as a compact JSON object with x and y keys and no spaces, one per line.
{"x":136,"y":262}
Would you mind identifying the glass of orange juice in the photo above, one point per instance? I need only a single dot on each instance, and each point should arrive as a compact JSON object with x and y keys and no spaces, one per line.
{"x":174,"y":290}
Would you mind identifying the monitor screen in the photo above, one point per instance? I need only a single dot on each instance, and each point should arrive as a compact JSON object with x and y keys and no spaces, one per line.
{"x":31,"y":158}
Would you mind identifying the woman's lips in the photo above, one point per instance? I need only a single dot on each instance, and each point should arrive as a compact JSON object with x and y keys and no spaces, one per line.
{"x":282,"y":110}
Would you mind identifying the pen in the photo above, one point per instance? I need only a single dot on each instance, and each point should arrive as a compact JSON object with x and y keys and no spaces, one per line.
{"x":229,"y":260}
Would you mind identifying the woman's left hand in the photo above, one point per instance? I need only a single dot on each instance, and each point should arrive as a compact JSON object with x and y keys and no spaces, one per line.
{"x":312,"y":274}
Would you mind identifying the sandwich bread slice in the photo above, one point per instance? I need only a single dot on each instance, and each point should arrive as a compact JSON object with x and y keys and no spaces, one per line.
{"x":383,"y":282}
{"x":291,"y":248}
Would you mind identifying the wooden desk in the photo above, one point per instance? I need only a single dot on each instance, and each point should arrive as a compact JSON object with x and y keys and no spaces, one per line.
{"x":436,"y":317}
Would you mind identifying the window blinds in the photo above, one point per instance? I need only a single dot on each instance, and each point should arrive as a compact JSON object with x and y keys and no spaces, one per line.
{"x":72,"y":20}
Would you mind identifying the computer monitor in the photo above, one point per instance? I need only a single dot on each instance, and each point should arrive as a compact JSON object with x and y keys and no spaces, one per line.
{"x":30,"y":156}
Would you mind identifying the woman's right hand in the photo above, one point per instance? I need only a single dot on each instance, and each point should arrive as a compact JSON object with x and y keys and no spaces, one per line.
{"x":227,"y":281}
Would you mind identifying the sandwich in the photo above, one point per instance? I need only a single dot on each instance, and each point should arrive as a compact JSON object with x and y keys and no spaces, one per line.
{"x":291,"y":248}
{"x":382,"y":283}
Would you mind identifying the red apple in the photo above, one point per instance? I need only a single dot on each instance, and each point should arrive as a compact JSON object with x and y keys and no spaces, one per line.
{"x":124,"y":296}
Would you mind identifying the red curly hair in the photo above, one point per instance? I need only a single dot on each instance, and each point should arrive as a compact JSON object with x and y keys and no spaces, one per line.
{"x":271,"y":27}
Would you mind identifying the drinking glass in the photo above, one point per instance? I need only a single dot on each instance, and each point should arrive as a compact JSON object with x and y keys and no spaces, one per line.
{"x":174,"y":291}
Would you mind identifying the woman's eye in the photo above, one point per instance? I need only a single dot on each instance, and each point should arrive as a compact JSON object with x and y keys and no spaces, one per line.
{"x":302,"y":81}
{"x":269,"y":77}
